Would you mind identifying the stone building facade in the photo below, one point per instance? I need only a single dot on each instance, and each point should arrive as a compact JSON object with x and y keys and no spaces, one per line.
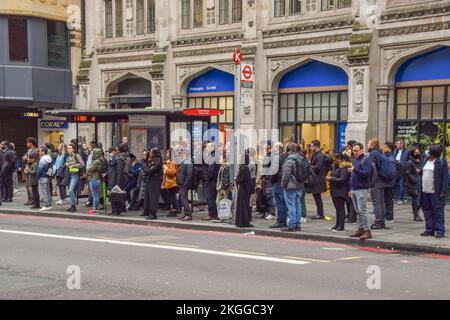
{"x":323,"y":68}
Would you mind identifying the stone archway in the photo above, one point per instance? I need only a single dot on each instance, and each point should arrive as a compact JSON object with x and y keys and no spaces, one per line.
{"x":386,"y":90}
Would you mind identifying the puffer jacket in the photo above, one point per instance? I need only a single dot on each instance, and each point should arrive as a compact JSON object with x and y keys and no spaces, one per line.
{"x":184,"y":176}
{"x":93,"y":171}
{"x":413,"y":178}
{"x":170,"y":175}
{"x":116,"y":172}
{"x":44,"y":164}
{"x":288,"y":181}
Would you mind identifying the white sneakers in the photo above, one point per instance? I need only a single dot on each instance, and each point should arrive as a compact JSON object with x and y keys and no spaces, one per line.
{"x":45,"y":209}
{"x":303,"y":220}
{"x":270,"y":217}
{"x":15,"y":191}
{"x":60,"y":202}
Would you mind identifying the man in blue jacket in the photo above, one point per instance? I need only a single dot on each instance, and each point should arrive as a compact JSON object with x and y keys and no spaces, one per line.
{"x":401,"y":155}
{"x":359,"y":190}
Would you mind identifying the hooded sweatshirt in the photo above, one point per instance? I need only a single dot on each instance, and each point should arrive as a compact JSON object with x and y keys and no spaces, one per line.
{"x":95,"y":167}
{"x":44,"y":164}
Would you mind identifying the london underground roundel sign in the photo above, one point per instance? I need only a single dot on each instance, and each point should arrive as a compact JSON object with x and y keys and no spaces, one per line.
{"x":197,"y":112}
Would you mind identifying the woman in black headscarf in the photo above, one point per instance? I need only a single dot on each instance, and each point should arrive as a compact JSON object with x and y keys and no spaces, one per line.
{"x":153,"y":175}
{"x":243,"y":182}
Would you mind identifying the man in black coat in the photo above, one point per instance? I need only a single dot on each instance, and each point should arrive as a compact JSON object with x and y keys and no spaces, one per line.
{"x":8,"y":165}
{"x":318,"y":185}
{"x":212,"y":173}
{"x":117,"y":176}
{"x":184,"y":181}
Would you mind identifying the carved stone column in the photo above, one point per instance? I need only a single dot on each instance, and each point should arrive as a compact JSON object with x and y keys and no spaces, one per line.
{"x":104,"y":129}
{"x":270,"y":121}
{"x":358,"y":113}
{"x":385,"y":114}
{"x":177,"y":102}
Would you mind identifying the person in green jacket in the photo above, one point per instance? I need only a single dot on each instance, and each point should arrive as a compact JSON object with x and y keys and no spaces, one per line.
{"x":94,"y":177}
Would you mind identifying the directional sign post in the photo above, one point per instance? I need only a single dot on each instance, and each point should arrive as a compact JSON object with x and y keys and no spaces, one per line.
{"x":237,"y":57}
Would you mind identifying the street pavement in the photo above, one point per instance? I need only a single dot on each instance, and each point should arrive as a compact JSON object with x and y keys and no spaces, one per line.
{"x":403,"y":234}
{"x":38,"y":256}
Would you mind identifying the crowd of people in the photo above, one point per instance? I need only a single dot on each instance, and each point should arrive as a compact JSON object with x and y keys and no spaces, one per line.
{"x":134,"y":182}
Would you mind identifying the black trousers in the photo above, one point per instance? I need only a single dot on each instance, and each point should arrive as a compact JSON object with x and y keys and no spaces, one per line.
{"x":319,"y":203}
{"x":184,"y":192}
{"x":339,"y":204}
{"x":170,"y":198}
{"x":6,"y":181}
{"x":389,"y":202}
{"x":211,"y":195}
{"x":35,"y":193}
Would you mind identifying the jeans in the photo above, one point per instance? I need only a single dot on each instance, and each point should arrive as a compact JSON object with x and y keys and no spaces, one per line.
{"x":62,"y":192}
{"x":389,"y":202}
{"x":94,"y":185}
{"x":379,"y":206}
{"x":360,"y":198}
{"x":184,"y":192}
{"x":280,"y":203}
{"x":434,"y":214}
{"x":319,"y":204}
{"x":15,"y":180}
{"x":170,"y":198}
{"x":44,"y":189}
{"x":293,"y":202}
{"x":73,"y":188}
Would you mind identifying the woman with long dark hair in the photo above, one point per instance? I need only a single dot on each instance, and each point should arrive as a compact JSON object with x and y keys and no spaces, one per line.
{"x":169,"y":185}
{"x":413,"y":171}
{"x":154,"y":173}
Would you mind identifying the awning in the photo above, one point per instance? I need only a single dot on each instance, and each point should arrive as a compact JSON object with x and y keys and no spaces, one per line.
{"x":113,"y":115}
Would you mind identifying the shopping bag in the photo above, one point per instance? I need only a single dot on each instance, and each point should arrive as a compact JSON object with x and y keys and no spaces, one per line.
{"x":224,"y":210}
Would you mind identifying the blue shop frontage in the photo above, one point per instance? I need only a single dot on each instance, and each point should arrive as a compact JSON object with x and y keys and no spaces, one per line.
{"x":313,"y":104}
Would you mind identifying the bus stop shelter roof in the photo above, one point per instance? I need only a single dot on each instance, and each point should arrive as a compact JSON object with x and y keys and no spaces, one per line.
{"x":113,"y":115}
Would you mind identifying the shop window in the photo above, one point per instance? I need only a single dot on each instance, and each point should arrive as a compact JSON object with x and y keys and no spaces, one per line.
{"x":57,"y":44}
{"x":401,"y":111}
{"x":18,"y":39}
{"x":412,"y":111}
{"x":427,"y":94}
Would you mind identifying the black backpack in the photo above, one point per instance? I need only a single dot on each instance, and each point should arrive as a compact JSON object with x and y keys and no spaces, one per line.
{"x":302,"y":170}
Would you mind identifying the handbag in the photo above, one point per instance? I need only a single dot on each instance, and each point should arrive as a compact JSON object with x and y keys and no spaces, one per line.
{"x":74,"y":170}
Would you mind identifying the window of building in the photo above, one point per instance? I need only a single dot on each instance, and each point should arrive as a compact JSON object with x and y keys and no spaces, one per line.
{"x":198,"y":13}
{"x":279,"y":8}
{"x":294,"y":7}
{"x":344,"y":4}
{"x":421,"y":114}
{"x":18,"y":39}
{"x":130,"y":17}
{"x":222,"y":103}
{"x":185,"y":14}
{"x":310,"y":5}
{"x":140,"y":14}
{"x":223,"y":11}
{"x":57,"y":44}
{"x":211,"y":15}
{"x":151,"y":18}
{"x":108,"y":19}
{"x":237,"y":10}
{"x":119,"y":18}
{"x":327,"y":5}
